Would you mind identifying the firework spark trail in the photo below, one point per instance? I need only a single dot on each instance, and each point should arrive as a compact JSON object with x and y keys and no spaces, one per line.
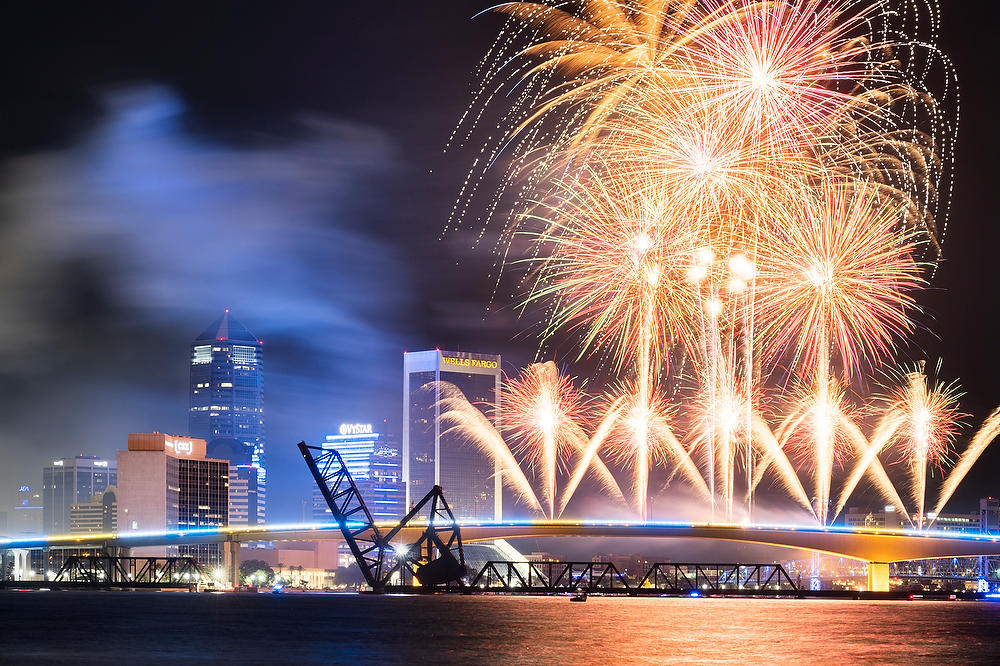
{"x":612,"y":261}
{"x":838,"y":275}
{"x":790,"y":424}
{"x":824,"y":413}
{"x":681,"y":458}
{"x":789,"y":479}
{"x":643,"y":370}
{"x":817,"y":435}
{"x":879,"y":477}
{"x":720,"y":429}
{"x":464,"y":419}
{"x":649,"y":419}
{"x":930,"y":420}
{"x":541,"y":409}
{"x":589,"y":454}
{"x":879,"y":440}
{"x":987,"y":432}
{"x":581,"y":443}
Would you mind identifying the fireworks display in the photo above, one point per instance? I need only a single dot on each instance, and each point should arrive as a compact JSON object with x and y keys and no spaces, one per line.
{"x":736,"y":203}
{"x":542,"y":413}
{"x":929,"y":421}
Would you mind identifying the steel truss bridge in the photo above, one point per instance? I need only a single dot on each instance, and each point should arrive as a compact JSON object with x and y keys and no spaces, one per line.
{"x":108,"y":571}
{"x":605,"y":578}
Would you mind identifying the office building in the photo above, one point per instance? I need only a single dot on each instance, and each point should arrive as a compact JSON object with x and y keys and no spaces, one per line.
{"x":989,"y":515}
{"x":470,"y":479}
{"x":966,"y":523}
{"x":227,"y":395}
{"x":98,"y":516}
{"x":889,"y":518}
{"x":166,"y":483}
{"x":246,"y":494}
{"x":867,"y":518}
{"x":70,"y":481}
{"x":25,"y":518}
{"x":375,"y":464}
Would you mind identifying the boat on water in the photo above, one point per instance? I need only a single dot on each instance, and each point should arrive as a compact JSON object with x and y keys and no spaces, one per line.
{"x":579,"y":596}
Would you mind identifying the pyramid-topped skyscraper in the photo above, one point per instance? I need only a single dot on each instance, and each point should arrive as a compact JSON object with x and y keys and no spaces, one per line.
{"x":227,"y":403}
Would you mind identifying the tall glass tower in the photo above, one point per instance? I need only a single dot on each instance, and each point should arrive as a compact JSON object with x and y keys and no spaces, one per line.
{"x":432,"y":455}
{"x":227,"y":396}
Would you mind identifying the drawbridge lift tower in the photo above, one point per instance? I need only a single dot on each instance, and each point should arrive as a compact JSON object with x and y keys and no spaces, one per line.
{"x":433,"y":559}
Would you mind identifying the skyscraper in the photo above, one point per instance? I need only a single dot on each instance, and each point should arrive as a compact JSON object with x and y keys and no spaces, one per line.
{"x":246,"y":496}
{"x":227,"y":402}
{"x":167,"y":484}
{"x":26,"y":518}
{"x":471,"y":480}
{"x":70,"y":481}
{"x":375,"y":464}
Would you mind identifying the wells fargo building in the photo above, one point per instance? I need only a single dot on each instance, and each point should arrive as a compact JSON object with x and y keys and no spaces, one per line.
{"x":470,"y":478}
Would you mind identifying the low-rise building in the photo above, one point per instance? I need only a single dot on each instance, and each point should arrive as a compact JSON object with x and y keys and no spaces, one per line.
{"x":868,"y":518}
{"x":98,"y":516}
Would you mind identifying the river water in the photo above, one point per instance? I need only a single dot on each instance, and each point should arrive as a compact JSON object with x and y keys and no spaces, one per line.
{"x":179,"y":627}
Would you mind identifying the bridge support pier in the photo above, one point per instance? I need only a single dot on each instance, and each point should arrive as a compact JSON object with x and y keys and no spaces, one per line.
{"x":18,"y":561}
{"x":878,"y":576}
{"x":232,"y":554}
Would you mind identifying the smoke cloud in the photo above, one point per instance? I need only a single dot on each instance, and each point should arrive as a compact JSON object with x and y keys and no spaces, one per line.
{"x":119,"y":249}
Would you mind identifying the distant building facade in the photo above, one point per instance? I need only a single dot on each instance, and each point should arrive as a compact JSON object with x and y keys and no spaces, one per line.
{"x":966,"y":523}
{"x":98,"y":516}
{"x":868,"y":518}
{"x":167,"y":483}
{"x":889,"y":518}
{"x":246,"y":493}
{"x":70,"y":481}
{"x":375,"y":463}
{"x":470,"y":479}
{"x":989,"y":515}
{"x":227,"y":402}
{"x":25,"y":518}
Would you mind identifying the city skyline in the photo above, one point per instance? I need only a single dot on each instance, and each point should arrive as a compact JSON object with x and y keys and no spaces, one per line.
{"x":319,"y":337}
{"x":500,"y":331}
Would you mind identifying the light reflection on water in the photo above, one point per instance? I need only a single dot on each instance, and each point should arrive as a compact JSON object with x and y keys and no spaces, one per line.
{"x":115,"y":627}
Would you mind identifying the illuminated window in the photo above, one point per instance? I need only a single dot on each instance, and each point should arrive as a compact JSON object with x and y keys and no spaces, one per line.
{"x":202,"y":355}
{"x":245,"y":355}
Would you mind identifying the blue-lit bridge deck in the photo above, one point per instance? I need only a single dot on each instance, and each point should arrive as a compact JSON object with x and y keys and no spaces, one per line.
{"x":876,"y":547}
{"x":871,"y":545}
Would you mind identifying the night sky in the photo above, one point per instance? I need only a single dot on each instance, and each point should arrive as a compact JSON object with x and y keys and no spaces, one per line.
{"x":161,"y":161}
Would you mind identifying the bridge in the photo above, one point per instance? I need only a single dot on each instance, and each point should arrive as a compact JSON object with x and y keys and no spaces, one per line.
{"x":877,"y":547}
{"x":434,"y":545}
